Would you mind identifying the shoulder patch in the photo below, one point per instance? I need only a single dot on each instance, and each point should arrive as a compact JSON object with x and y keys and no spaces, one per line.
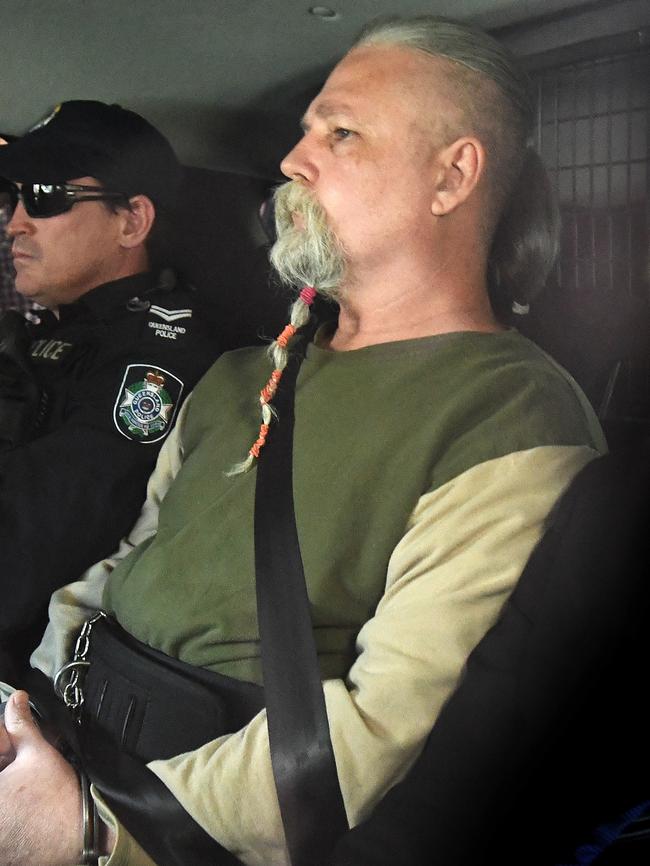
{"x":146,"y":403}
{"x":168,"y":329}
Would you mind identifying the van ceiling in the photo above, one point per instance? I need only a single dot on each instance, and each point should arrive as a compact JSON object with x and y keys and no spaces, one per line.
{"x":226,"y":80}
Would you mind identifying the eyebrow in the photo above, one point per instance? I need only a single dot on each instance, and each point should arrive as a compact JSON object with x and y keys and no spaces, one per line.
{"x":326,"y":109}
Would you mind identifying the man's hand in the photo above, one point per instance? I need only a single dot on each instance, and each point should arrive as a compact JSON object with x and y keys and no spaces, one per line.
{"x":40,"y":801}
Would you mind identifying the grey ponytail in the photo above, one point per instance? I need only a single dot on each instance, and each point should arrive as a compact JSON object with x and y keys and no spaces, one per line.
{"x":526,"y":241}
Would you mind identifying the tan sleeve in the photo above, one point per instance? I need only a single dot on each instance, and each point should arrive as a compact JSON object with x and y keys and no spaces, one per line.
{"x":126,"y":852}
{"x":5,"y":691}
{"x":448,"y":578}
{"x":72,"y":604}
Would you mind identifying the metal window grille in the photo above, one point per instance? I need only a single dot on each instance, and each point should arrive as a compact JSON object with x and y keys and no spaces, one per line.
{"x":593,"y":133}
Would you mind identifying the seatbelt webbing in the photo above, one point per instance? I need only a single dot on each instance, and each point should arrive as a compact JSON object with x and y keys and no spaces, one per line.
{"x":303,"y":761}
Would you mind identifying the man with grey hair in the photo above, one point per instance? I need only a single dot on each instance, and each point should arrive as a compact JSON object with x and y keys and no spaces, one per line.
{"x":430,"y":443}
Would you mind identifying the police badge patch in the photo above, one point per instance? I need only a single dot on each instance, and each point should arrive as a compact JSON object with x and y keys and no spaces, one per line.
{"x":146,"y":403}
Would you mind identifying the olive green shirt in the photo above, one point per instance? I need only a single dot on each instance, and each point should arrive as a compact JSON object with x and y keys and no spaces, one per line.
{"x":423,"y":472}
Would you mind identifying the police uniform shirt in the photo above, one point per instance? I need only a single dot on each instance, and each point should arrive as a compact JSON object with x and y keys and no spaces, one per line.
{"x":114,"y":370}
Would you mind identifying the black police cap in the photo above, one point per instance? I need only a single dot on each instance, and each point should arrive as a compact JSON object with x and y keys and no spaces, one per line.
{"x":88,"y":138}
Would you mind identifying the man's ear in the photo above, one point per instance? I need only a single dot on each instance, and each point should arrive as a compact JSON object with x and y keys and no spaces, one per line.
{"x":137,"y":221}
{"x":459,"y":167}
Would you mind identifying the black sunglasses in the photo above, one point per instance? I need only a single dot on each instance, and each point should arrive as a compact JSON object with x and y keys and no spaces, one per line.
{"x":42,"y":200}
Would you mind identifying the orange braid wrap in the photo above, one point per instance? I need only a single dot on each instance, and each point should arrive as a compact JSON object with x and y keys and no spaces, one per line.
{"x":285,"y":336}
{"x":259,"y":442}
{"x":268,"y":391}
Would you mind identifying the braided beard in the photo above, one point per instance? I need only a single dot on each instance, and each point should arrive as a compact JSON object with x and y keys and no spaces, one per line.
{"x":311,"y":255}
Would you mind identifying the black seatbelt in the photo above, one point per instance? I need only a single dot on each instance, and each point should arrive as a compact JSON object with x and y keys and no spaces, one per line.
{"x":303,"y":762}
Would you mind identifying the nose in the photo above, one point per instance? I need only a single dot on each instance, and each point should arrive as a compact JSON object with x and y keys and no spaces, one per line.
{"x":299,"y":163}
{"x":20,"y":223}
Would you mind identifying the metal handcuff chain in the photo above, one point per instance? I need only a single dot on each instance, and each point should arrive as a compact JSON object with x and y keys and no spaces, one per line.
{"x":71,"y":692}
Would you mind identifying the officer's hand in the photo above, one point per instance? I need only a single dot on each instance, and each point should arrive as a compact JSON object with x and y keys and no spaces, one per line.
{"x":40,"y":815}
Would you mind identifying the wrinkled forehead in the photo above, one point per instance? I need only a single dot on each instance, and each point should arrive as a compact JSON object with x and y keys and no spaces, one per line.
{"x":378,"y":69}
{"x":384,"y":80}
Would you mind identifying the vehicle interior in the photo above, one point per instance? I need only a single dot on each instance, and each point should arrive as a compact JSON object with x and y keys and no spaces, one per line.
{"x":227,"y":81}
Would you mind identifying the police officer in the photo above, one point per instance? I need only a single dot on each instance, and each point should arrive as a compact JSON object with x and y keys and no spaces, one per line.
{"x":87,"y":395}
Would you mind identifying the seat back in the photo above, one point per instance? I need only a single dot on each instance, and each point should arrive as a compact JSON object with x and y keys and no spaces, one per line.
{"x":545,"y":738}
{"x":220,"y":247}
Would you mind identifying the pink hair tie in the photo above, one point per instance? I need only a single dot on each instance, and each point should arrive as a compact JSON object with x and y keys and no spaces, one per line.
{"x":308,"y":294}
